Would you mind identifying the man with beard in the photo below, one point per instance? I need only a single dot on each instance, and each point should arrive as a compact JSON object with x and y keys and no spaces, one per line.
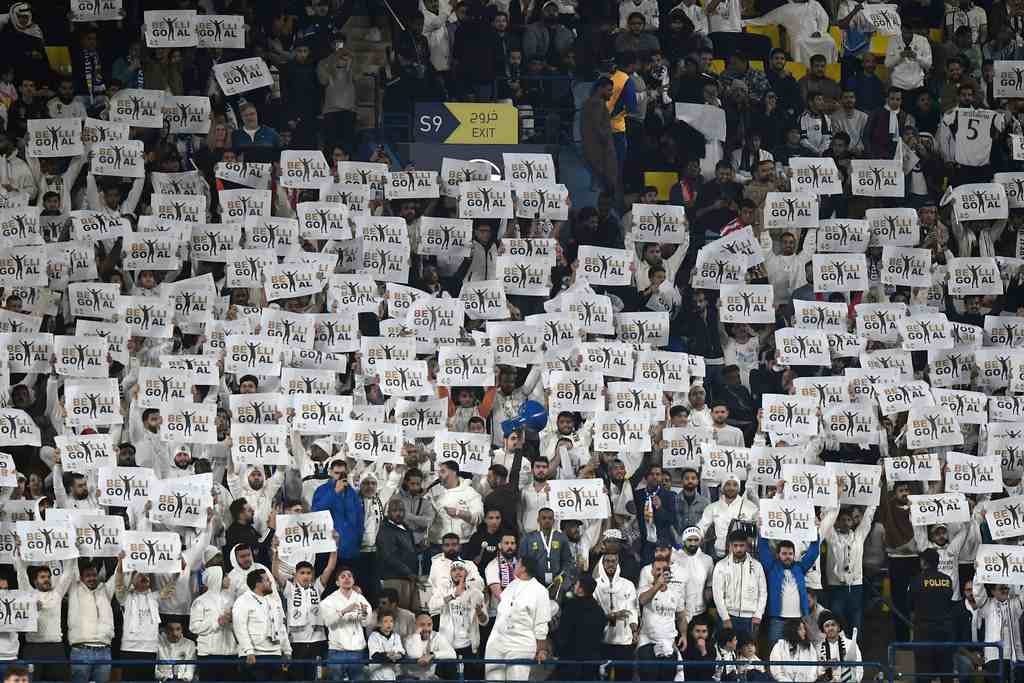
{"x":498,"y":574}
{"x":90,"y":624}
{"x":786,"y":269}
{"x":241,"y":532}
{"x":730,"y":508}
{"x":617,"y":597}
{"x":535,"y":497}
{"x":581,"y":624}
{"x":144,"y":434}
{"x":256,"y":488}
{"x":844,"y":565}
{"x":510,"y":396}
{"x":690,"y":503}
{"x":695,"y":566}
{"x":45,"y":641}
{"x":503,"y":479}
{"x":613,"y":542}
{"x":546,"y":550}
{"x":398,"y":561}
{"x":441,"y":565}
{"x":419,"y":511}
{"x":73,"y":491}
{"x":902,"y":551}
{"x":459,"y":506}
{"x":483,"y":544}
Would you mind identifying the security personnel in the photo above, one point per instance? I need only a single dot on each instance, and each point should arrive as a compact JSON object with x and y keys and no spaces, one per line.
{"x":930,"y":595}
{"x":622,"y":101}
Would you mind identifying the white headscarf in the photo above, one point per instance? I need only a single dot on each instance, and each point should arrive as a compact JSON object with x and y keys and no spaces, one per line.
{"x":32,"y":29}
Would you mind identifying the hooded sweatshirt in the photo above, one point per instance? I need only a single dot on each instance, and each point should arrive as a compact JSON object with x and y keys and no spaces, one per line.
{"x":616,"y":594}
{"x":237,"y":577}
{"x":462,"y":497}
{"x":261,"y":499}
{"x":213,"y":638}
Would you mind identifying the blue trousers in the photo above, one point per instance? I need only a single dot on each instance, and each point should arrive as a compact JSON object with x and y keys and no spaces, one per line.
{"x":847,"y":602}
{"x":95,"y":664}
{"x":346,"y":663}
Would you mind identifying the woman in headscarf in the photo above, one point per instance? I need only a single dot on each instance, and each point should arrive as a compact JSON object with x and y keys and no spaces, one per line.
{"x":23,"y":45}
{"x":794,"y":646}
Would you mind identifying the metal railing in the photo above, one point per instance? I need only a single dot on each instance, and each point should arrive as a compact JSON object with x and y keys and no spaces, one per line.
{"x":945,"y":675}
{"x":697,"y":670}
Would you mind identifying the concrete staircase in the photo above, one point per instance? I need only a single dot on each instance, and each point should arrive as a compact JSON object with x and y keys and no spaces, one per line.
{"x":370,"y":57}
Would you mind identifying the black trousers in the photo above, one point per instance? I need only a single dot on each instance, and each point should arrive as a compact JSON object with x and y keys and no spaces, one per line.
{"x":145,"y":670}
{"x":306,"y":672}
{"x":656,"y":672}
{"x":902,"y":571}
{"x":55,"y":671}
{"x":930,"y":662}
{"x":620,"y":672}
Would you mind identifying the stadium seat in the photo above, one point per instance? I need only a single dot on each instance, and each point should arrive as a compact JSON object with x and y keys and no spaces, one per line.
{"x":797,"y":69}
{"x":882,"y":71}
{"x":717,"y":66}
{"x":59,"y":57}
{"x":837,"y":35}
{"x":879,"y":43}
{"x":757,"y":65}
{"x":772,"y":31}
{"x":834,"y":71}
{"x":935,"y":35}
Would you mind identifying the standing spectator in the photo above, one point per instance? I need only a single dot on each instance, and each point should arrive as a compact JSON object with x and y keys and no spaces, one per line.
{"x":458,"y":505}
{"x":90,"y":625}
{"x":617,"y":597}
{"x":844,"y":565}
{"x":520,"y":628}
{"x":902,"y":551}
{"x":346,"y":508}
{"x":930,"y":594}
{"x":908,"y":58}
{"x":598,"y":143}
{"x":740,"y":591}
{"x":787,"y":582}
{"x":259,"y":623}
{"x":397,"y":556}
{"x":345,"y":613}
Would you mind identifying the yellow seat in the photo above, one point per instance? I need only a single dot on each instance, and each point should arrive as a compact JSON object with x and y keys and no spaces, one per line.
{"x":717,"y":66}
{"x":834,"y":71}
{"x":882,"y":71}
{"x":837,"y":35}
{"x":797,"y":69}
{"x":879,"y":43}
{"x":935,"y":35}
{"x":59,"y":57}
{"x":757,"y":65}
{"x":772,"y":31}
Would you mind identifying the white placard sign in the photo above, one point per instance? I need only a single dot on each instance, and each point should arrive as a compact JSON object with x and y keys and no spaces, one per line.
{"x":661,"y":223}
{"x":579,"y":499}
{"x":973,"y":474}
{"x":877,"y":177}
{"x":156,"y":552}
{"x":187,"y":115}
{"x":54,"y":138}
{"x":815,"y":175}
{"x":96,"y":10}
{"x":220,"y":31}
{"x":487,"y":199}
{"x":787,"y":520}
{"x":42,"y":542}
{"x":182,"y":501}
{"x":311,"y":532}
{"x":471,"y":451}
{"x":136,"y":107}
{"x":840,"y":273}
{"x":304,"y":169}
{"x":944,"y":508}
{"x":1005,"y":517}
{"x":790,"y":210}
{"x":242,"y":75}
{"x":19,"y":611}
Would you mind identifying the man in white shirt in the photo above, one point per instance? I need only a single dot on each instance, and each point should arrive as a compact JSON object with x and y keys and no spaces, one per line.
{"x":740,"y":588}
{"x":908,"y":59}
{"x":441,"y":566}
{"x":426,"y":646}
{"x":520,"y":628}
{"x":90,"y":626}
{"x":720,"y":514}
{"x":663,"y":627}
{"x":786,"y":268}
{"x":617,"y":597}
{"x":45,"y":641}
{"x":695,"y":567}
{"x":844,"y":564}
{"x":851,"y":121}
{"x":260,"y":628}
{"x":346,"y":613}
{"x":459,"y":507}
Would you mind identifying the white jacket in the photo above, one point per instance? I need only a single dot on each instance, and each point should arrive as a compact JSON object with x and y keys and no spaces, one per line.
{"x":259,"y":626}
{"x":345,"y":631}
{"x":739,"y":588}
{"x":988,"y":616}
{"x":845,"y":558}
{"x":721,"y":513}
{"x":463,"y":609}
{"x":829,"y":652}
{"x":695,"y":572}
{"x":213,"y":638}
{"x":462,"y":497}
{"x":440,"y":578}
{"x":415,"y":647}
{"x":796,"y":674}
{"x":90,"y":617}
{"x":48,"y":628}
{"x":182,"y":650}
{"x":523,"y":616}
{"x":262,"y":499}
{"x":616,"y":594}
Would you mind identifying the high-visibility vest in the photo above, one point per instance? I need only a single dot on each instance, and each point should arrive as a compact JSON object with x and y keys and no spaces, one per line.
{"x":619,"y":81}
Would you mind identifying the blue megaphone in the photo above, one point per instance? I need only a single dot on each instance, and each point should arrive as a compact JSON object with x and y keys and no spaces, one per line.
{"x":531,"y":414}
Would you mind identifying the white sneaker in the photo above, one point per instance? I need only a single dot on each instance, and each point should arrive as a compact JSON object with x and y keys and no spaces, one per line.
{"x":373,"y":35}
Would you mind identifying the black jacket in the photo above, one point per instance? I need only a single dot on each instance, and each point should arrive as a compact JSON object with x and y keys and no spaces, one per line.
{"x":396,"y":551}
{"x":581,"y":628}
